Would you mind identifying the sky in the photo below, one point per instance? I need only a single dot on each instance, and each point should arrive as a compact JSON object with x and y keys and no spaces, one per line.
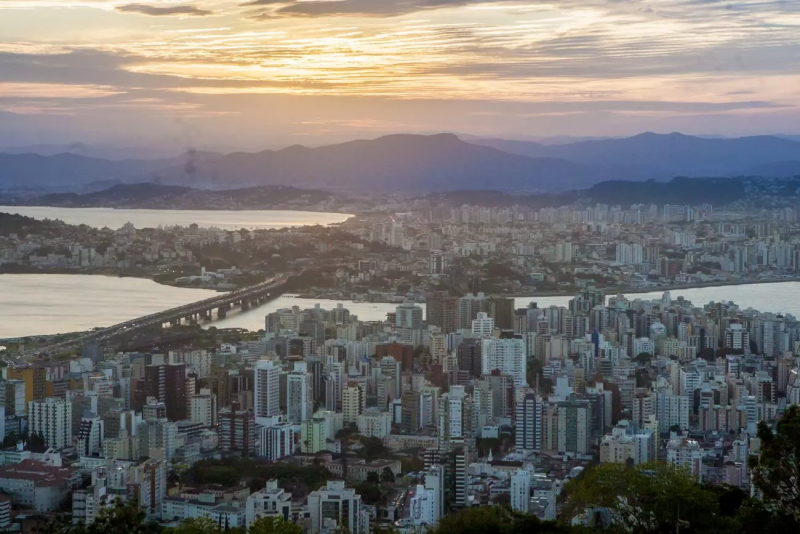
{"x":262,"y":73}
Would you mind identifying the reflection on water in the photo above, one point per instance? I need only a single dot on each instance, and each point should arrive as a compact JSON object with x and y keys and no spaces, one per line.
{"x":33,"y":304}
{"x":228,"y":220}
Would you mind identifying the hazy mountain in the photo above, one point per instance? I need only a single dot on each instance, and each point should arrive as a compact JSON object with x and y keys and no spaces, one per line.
{"x":393,"y":163}
{"x":408,"y":163}
{"x":663,"y":156}
{"x":111,"y":152}
{"x":32,"y":171}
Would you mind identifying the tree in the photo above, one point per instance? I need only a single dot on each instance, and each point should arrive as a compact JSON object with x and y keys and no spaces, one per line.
{"x":387,"y":475}
{"x":274,"y":525}
{"x":370,"y":493}
{"x":373,"y":477}
{"x":646,"y":498}
{"x":643,"y":358}
{"x":776,"y":471}
{"x":121,"y":518}
{"x":201,"y":525}
{"x":495,"y":520}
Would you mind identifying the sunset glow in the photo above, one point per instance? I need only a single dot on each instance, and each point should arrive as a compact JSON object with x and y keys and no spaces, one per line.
{"x":502,"y":67}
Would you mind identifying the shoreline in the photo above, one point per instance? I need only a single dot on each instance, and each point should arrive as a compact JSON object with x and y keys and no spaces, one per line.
{"x":610,"y":292}
{"x":297,"y":210}
{"x":299,"y":295}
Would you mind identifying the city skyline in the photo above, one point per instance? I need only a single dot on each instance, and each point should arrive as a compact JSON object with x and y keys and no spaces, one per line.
{"x":273,"y":73}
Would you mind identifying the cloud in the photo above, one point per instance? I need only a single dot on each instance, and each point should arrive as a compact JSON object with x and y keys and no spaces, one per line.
{"x":362,"y":8}
{"x":158,"y":11}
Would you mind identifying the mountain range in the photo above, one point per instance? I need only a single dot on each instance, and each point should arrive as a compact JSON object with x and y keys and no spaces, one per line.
{"x":424,"y":163}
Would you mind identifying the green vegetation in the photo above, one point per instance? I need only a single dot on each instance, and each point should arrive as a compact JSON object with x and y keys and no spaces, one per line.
{"x":651,"y":498}
{"x":776,"y":473}
{"x":495,"y":520}
{"x":265,"y":525}
{"x":230,"y":472}
{"x":122,"y":518}
{"x":129,"y":518}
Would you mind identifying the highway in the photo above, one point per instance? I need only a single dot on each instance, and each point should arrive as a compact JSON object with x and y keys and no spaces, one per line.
{"x":245,"y":297}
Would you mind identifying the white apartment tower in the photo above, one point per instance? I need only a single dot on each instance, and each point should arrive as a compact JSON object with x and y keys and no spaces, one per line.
{"x":483,"y":326}
{"x":52,"y":418}
{"x":336,"y":507}
{"x":506,"y":355}
{"x":298,"y":397}
{"x":521,"y":491}
{"x":267,"y":392}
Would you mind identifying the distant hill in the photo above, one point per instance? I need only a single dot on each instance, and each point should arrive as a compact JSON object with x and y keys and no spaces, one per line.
{"x":716,"y":191}
{"x":420,"y":163}
{"x":149,"y":195}
{"x":35,"y":170}
{"x":782,"y":169}
{"x":119,"y":194}
{"x":394,"y":163}
{"x":694,"y":191}
{"x":664,"y":156}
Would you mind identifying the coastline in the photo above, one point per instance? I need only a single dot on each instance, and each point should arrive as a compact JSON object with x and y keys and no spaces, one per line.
{"x":608,"y":291}
{"x":613,"y":291}
{"x":309,"y":209}
{"x":324,"y":299}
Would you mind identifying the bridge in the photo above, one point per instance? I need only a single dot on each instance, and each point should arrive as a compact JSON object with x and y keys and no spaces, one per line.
{"x":244,"y":298}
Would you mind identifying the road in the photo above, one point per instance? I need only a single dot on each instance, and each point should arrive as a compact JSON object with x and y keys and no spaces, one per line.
{"x":245,"y":297}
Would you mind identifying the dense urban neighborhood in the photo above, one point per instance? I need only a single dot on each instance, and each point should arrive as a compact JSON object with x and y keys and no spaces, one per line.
{"x":334,"y":424}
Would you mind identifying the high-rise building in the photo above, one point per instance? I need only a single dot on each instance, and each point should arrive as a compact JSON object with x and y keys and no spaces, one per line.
{"x":427,"y":504}
{"x":469,"y":357}
{"x":506,"y":355}
{"x":269,"y":502}
{"x":521,"y":491}
{"x":236,"y":431}
{"x":501,"y":309}
{"x":354,"y":402}
{"x":483,"y":326}
{"x":408,"y":315}
{"x":574,"y":426}
{"x":313,"y":435}
{"x":456,"y":416}
{"x":90,"y":435}
{"x":528,"y":421}
{"x":156,"y":471}
{"x":442,"y":311}
{"x":15,"y":402}
{"x":298,"y":397}
{"x":276,"y":441}
{"x":336,"y":508}
{"x":468,"y":308}
{"x":166,"y":383}
{"x":266,"y":395}
{"x":35,"y":381}
{"x":391,"y":368}
{"x":374,"y":423}
{"x":643,"y":407}
{"x":204,"y":408}
{"x":51,"y":418}
{"x":629,"y":254}
{"x":459,"y":474}
{"x":736,"y":337}
{"x":671,"y":410}
{"x":410,"y":411}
